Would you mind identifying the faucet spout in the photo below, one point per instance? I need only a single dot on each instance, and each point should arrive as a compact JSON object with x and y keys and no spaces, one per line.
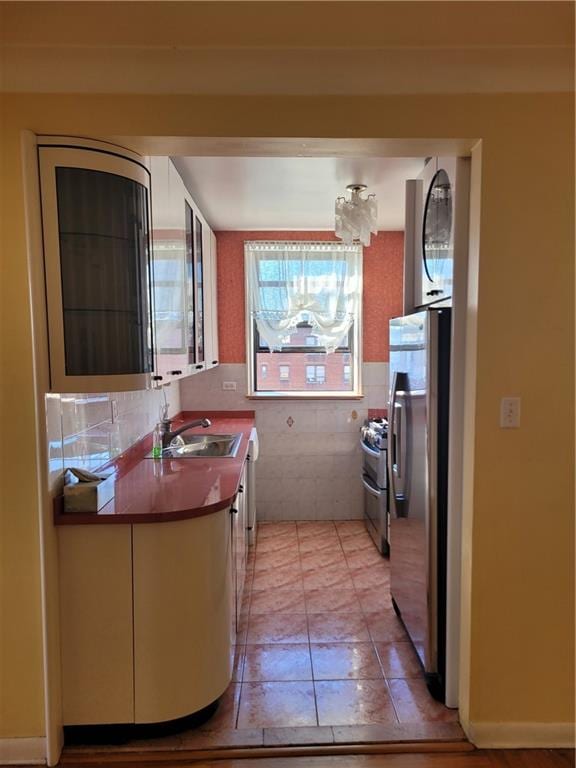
{"x":168,"y":434}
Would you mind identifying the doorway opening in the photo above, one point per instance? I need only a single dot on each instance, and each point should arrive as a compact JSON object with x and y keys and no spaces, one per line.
{"x":320,"y":654}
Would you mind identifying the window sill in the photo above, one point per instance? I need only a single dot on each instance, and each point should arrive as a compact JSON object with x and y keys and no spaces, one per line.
{"x":305,"y":396}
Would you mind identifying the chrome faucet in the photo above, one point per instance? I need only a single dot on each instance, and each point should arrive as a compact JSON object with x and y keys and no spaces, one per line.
{"x":168,"y":435}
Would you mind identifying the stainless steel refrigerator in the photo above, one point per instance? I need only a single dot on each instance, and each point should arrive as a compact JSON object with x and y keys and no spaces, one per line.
{"x":418,"y":482}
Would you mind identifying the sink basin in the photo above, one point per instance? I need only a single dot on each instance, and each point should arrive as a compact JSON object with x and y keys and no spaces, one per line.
{"x":202,"y":446}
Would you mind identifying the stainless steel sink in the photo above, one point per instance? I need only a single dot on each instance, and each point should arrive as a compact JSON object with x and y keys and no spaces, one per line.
{"x":202,"y":446}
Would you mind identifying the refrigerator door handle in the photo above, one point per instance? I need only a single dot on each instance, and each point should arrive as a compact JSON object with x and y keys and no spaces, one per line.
{"x":396,"y":447}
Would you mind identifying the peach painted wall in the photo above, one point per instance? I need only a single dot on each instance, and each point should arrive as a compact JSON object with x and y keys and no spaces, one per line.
{"x":382,"y":295}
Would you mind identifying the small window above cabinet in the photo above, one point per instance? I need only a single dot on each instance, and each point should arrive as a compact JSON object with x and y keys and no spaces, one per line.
{"x":184,"y":273}
{"x":95,"y":218}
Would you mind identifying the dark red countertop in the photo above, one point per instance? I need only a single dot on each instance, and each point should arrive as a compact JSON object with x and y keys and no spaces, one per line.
{"x":164,"y":490}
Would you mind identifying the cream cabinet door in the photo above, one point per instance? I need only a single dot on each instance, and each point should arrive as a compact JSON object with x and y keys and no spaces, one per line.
{"x":182,"y":639}
{"x":96,"y":624}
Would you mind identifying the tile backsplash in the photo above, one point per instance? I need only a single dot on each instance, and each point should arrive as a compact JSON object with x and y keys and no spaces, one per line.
{"x":310,"y":460}
{"x":86,"y":430}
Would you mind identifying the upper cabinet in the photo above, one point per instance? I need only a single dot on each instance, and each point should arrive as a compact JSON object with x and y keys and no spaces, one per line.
{"x":130,"y":266}
{"x":184,"y":268}
{"x":210,"y":261}
{"x":436,"y":231}
{"x":96,"y":223}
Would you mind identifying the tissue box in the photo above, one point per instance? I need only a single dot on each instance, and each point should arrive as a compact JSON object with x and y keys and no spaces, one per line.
{"x":88,"y":497}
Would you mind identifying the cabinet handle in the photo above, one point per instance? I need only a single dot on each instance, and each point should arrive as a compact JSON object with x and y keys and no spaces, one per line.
{"x":174,"y":373}
{"x":435,"y":292}
{"x":240,"y":489}
{"x":233,"y":511}
{"x":214,"y":362}
{"x":199,"y":366}
{"x":157,"y":378}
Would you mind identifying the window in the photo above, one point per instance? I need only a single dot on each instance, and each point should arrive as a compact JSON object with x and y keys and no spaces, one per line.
{"x":316,"y":374}
{"x":303,"y":305}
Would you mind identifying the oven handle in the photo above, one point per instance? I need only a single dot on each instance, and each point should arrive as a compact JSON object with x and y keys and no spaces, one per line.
{"x":370,"y":488}
{"x":370,"y":451}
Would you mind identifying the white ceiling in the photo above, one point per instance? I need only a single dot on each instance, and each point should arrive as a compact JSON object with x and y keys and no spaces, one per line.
{"x":292,"y":192}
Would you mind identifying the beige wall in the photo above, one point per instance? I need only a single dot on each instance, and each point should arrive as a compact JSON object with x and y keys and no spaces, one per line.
{"x":518,"y":559}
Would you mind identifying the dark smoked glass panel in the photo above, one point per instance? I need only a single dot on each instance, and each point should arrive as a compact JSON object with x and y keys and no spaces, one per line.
{"x":199,"y":291}
{"x":190,"y":326}
{"x":103,"y":230}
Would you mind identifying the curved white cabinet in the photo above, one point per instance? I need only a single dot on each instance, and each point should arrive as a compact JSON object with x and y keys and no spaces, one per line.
{"x":96,"y":220}
{"x":147,"y":618}
{"x":182,"y":604}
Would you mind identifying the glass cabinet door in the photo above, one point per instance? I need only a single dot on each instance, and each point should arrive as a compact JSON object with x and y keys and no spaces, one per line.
{"x":190,"y":291}
{"x":437,"y":240}
{"x":95,"y":211}
{"x":169,"y":269}
{"x":195,"y":289}
{"x":199,"y":274}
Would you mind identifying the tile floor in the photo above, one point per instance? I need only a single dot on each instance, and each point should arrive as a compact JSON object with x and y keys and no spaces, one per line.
{"x":319,"y":642}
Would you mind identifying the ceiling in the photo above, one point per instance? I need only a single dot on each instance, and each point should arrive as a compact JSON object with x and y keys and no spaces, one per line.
{"x":259,"y":193}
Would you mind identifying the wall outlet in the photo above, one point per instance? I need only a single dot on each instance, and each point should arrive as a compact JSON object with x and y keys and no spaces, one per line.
{"x":229,"y":386}
{"x":114,"y":406}
{"x":510,"y":412}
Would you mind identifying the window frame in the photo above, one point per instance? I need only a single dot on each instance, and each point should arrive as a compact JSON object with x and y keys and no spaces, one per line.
{"x":253,"y":346}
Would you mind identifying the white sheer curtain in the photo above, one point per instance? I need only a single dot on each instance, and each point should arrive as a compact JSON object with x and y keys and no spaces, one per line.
{"x":289,"y":282}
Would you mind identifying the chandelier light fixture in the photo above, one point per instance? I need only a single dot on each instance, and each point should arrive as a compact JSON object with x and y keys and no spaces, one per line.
{"x":356,"y":217}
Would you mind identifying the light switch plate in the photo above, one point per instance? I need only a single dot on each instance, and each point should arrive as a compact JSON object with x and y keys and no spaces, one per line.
{"x":510,"y":412}
{"x":229,"y":386}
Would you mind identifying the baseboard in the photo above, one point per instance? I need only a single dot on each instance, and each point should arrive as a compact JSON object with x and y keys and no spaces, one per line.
{"x":518,"y":735}
{"x":23,"y":751}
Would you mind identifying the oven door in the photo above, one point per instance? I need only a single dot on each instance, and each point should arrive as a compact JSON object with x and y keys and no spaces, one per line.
{"x":375,"y":515}
{"x":374,"y":461}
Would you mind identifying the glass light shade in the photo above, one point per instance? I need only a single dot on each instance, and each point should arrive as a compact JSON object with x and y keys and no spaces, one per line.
{"x":355,"y":219}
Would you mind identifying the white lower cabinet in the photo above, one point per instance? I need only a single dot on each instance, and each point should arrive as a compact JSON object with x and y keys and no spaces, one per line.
{"x":147,"y":618}
{"x":182,"y":580}
{"x":96,"y":629}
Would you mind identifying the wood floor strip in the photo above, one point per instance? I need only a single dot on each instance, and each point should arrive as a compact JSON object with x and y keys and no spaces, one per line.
{"x":195,"y":757}
{"x":527,"y":758}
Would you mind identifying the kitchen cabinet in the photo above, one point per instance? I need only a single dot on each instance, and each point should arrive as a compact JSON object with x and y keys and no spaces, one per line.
{"x":146,"y":619}
{"x":182,"y":643}
{"x":184,"y":267}
{"x":172,"y":320}
{"x":95,"y":219}
{"x":436,"y":231}
{"x":211,"y":271}
{"x":96,"y":626}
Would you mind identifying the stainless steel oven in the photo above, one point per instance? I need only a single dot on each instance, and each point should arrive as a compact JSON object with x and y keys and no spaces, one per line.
{"x":374,"y":444}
